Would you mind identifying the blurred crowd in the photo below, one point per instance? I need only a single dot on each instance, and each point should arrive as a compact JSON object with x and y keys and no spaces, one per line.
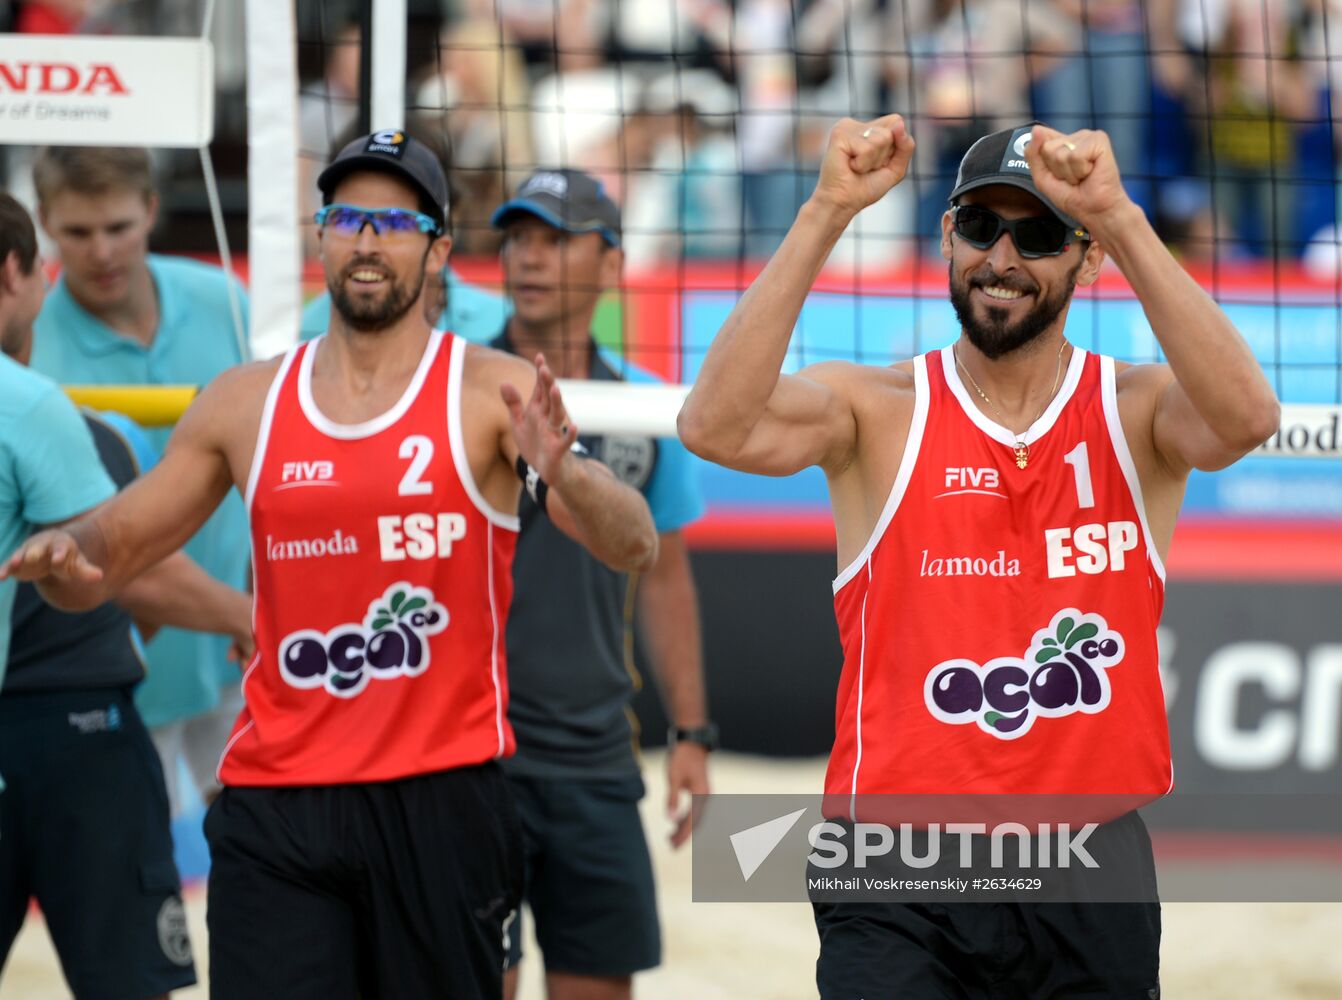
{"x":706,"y":118}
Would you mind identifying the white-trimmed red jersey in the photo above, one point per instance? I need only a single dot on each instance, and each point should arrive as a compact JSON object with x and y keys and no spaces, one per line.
{"x":382,"y":585}
{"x":999,"y":627}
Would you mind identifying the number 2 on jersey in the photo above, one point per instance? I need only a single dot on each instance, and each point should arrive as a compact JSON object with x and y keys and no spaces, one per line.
{"x":1079,"y":459}
{"x":419,"y":449}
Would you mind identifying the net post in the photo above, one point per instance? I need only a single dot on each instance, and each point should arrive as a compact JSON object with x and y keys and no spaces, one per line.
{"x":274,"y":256}
{"x":387,"y":95}
{"x":365,"y":66}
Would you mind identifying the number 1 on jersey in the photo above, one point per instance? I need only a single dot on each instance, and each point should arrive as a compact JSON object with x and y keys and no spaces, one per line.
{"x":1079,"y":459}
{"x":419,"y":449}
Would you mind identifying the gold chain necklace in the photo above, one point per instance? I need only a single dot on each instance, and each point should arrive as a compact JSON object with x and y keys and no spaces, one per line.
{"x":1021,"y":449}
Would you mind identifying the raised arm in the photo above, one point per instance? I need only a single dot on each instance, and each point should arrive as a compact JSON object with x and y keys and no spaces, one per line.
{"x":583,"y":498}
{"x":742,"y":412}
{"x":89,"y":560}
{"x":1213,"y":403}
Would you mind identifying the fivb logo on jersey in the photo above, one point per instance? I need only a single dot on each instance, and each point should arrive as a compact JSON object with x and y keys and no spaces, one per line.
{"x":390,"y":642}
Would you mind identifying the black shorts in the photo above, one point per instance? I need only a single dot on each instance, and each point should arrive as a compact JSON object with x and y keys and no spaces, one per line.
{"x":388,"y":889}
{"x":589,"y":876}
{"x":998,"y":950}
{"x":84,"y":829}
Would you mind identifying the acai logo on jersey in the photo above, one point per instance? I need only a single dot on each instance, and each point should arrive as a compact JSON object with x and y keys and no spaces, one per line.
{"x":1064,"y":671}
{"x":391,"y":642}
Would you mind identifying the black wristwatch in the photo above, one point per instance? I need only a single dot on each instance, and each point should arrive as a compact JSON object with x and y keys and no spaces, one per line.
{"x":706,"y":735}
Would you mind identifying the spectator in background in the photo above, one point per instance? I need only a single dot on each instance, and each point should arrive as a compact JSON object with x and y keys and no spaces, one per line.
{"x":966,"y":63}
{"x":480,"y":98}
{"x":576,"y":775}
{"x":687,"y":204}
{"x":1259,"y":93}
{"x":563,"y":36}
{"x":327,"y":110}
{"x":1322,"y":140}
{"x":84,"y":828}
{"x":757,"y":45}
{"x":54,"y":17}
{"x":1103,"y":78}
{"x":784,"y":60}
{"x":121,"y":315}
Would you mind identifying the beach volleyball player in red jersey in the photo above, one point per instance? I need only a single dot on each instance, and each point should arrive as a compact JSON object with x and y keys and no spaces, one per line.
{"x":365,"y":843}
{"x":1003,"y":508}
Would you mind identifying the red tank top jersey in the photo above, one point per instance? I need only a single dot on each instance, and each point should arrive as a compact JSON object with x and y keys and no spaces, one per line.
{"x":382,"y":581}
{"x":999,"y":627}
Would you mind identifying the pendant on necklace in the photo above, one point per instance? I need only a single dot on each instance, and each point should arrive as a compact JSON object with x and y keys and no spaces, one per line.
{"x":1022,"y":454}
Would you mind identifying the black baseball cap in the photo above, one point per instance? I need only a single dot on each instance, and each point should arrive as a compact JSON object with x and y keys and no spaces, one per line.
{"x":394,"y":152}
{"x":1000,"y":159}
{"x":567,"y":199}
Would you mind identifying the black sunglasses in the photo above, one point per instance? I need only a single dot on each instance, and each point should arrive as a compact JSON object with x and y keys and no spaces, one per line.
{"x":1039,"y":236}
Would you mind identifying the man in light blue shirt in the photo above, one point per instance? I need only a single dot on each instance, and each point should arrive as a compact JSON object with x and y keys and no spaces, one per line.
{"x":120,"y":315}
{"x":49,"y":471}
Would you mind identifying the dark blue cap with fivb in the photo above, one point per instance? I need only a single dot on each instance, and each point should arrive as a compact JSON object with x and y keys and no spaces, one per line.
{"x":1000,"y":159}
{"x":567,"y":199}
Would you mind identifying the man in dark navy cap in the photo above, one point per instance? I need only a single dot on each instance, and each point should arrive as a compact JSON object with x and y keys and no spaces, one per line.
{"x":576,"y":773}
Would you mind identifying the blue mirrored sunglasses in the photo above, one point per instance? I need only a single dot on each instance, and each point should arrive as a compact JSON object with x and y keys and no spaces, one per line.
{"x":349,"y":220}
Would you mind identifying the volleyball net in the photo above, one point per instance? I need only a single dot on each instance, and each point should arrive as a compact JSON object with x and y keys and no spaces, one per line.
{"x":705,"y":120}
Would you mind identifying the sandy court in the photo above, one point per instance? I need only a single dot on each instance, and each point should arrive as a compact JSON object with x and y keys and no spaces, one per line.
{"x":716,"y":951}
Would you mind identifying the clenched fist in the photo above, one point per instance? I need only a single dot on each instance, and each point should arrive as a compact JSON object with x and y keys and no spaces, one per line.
{"x":1078,"y":173}
{"x":863,"y":161}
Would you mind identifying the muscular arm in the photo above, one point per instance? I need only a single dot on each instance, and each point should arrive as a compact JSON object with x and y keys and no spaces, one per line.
{"x":668,"y":616}
{"x":1213,"y":404}
{"x":91,"y":559}
{"x":610,"y":519}
{"x":1216,"y":404}
{"x":741,"y":412}
{"x":178,"y":592}
{"x":585,"y":500}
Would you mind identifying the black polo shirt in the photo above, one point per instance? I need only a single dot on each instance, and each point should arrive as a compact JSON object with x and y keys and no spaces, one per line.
{"x":570,"y":672}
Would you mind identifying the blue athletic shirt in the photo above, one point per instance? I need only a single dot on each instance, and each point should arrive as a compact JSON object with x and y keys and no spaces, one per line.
{"x":49,"y":470}
{"x":569,"y":680}
{"x":195,"y":341}
{"x":471,"y":312}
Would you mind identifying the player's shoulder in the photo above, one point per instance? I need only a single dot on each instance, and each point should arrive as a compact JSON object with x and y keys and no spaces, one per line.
{"x":241,"y":384}
{"x":858,"y":382}
{"x":21,"y":389}
{"x":1133,"y":382}
{"x":489,"y":364}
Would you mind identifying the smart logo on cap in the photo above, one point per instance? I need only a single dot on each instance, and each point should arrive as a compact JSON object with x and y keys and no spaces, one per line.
{"x":1018,"y":162}
{"x":389,"y":141}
